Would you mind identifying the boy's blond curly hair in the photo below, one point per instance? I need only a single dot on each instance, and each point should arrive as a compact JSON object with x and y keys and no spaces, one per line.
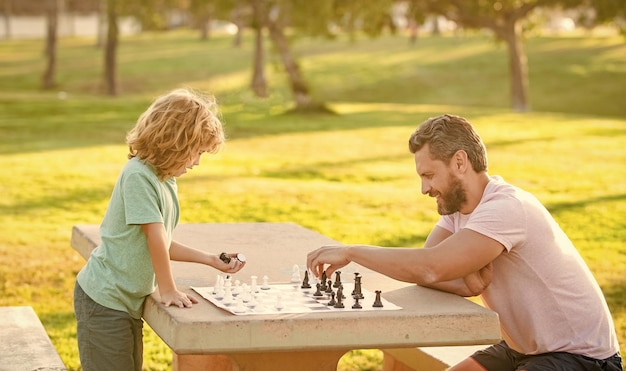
{"x":173,"y":129}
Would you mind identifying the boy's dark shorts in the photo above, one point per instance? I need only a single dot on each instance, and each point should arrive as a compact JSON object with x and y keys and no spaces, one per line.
{"x":500,"y":357}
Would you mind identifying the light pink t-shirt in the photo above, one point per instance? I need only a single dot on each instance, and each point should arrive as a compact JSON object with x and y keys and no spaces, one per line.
{"x":544,"y":293}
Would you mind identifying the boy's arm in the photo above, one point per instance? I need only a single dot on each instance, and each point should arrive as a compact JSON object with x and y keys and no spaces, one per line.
{"x":159,"y":253}
{"x":181,"y":252}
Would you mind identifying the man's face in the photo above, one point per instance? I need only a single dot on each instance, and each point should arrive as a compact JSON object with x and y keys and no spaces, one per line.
{"x":440,"y":182}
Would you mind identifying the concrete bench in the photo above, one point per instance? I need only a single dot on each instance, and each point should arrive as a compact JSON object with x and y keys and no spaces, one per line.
{"x":426,"y":358}
{"x":25,"y":345}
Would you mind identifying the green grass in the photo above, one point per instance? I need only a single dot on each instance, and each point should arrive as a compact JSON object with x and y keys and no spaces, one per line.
{"x":348,"y":176}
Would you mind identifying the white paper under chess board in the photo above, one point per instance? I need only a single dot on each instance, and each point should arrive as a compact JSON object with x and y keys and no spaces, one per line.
{"x":294,"y":299}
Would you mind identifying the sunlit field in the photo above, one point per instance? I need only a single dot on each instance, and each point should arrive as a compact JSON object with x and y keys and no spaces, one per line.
{"x":348,"y":175}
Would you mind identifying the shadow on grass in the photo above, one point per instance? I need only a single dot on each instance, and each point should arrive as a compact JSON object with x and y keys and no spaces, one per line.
{"x":555,"y":208}
{"x":46,"y":203}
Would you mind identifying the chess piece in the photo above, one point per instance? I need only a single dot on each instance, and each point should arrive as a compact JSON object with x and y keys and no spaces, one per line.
{"x":245,"y":295}
{"x":219,"y":293}
{"x":337,"y":279}
{"x":218,"y":284}
{"x":356,"y":304}
{"x":323,"y":280}
{"x":240,"y":307}
{"x":228,"y":294}
{"x":295,"y":276}
{"x":237,"y":289}
{"x":253,"y":284}
{"x":305,"y":282}
{"x":318,"y":292}
{"x":252,"y":302}
{"x":332,"y":301}
{"x":225,"y":258}
{"x":377,"y":302}
{"x":329,"y":287}
{"x":265,"y":285}
{"x":357,"y":293}
{"x":339,"y":303}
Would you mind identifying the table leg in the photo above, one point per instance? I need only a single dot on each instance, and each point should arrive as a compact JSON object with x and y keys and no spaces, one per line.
{"x":269,"y":361}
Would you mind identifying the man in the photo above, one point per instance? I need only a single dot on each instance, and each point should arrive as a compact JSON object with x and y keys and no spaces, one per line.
{"x":499,"y":242}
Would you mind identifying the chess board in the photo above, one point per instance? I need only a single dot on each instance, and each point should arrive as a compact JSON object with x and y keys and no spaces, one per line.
{"x":291,"y":298}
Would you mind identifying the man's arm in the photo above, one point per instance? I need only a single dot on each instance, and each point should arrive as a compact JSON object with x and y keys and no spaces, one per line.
{"x":444,"y":264}
{"x":471,"y":285}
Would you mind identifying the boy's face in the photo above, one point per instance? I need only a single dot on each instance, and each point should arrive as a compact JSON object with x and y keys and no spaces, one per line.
{"x":194,"y":161}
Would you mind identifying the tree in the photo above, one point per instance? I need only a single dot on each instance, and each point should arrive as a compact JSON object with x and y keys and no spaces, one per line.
{"x":276,"y":23}
{"x":110,"y":49}
{"x":606,"y":11}
{"x":52,"y":20}
{"x":259,"y":83}
{"x":6,"y":14}
{"x":504,"y":18}
{"x":277,"y":16}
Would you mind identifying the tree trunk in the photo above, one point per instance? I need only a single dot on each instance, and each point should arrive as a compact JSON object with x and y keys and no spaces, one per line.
{"x":518,"y":67}
{"x":111,"y":49}
{"x":299,"y":88}
{"x":7,"y":19}
{"x":259,"y":83}
{"x":238,"y":20}
{"x":205,"y":27}
{"x":101,"y":23}
{"x":52,"y":18}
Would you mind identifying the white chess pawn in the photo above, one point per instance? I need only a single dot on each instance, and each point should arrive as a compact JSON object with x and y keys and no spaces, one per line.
{"x":252,"y":302}
{"x":228,"y":294}
{"x":217,"y":285}
{"x":253,"y":284}
{"x":240,"y":307}
{"x":219,"y":294}
{"x":265,"y":285}
{"x":295,"y":276}
{"x":245,"y":292}
{"x":237,"y":289}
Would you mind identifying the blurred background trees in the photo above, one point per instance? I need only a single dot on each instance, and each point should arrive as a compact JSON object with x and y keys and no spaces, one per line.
{"x":282,"y":21}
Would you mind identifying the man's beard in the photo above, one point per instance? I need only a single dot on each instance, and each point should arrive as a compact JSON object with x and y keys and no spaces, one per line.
{"x":453,"y":198}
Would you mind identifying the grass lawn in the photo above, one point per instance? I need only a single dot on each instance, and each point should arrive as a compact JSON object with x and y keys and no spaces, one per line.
{"x":348,"y":176}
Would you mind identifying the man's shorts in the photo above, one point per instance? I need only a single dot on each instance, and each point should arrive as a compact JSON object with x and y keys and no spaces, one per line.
{"x":500,"y":357}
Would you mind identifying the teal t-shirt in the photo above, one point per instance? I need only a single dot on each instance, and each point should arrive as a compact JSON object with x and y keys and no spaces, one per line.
{"x":119,"y":274}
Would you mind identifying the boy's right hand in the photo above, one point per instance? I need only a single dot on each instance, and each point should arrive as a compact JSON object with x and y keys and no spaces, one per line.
{"x":178,"y":298}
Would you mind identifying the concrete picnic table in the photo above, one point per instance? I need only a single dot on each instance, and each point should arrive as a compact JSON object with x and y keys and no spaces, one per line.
{"x":207,"y":337}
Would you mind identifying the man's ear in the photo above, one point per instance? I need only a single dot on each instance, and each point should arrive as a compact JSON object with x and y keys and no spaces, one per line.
{"x":460,"y":161}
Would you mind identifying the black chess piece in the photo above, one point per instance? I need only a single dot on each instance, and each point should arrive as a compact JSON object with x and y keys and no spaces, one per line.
{"x":323,"y":281}
{"x":332,"y":301}
{"x":318,"y":292}
{"x":357,"y":293}
{"x":356,"y":274}
{"x":377,"y":302}
{"x":329,"y":287}
{"x":339,"y":303}
{"x":337,"y":279}
{"x":356,"y":304}
{"x":305,"y":282}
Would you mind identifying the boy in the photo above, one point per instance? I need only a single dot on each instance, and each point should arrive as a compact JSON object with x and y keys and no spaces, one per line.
{"x":137,"y":246}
